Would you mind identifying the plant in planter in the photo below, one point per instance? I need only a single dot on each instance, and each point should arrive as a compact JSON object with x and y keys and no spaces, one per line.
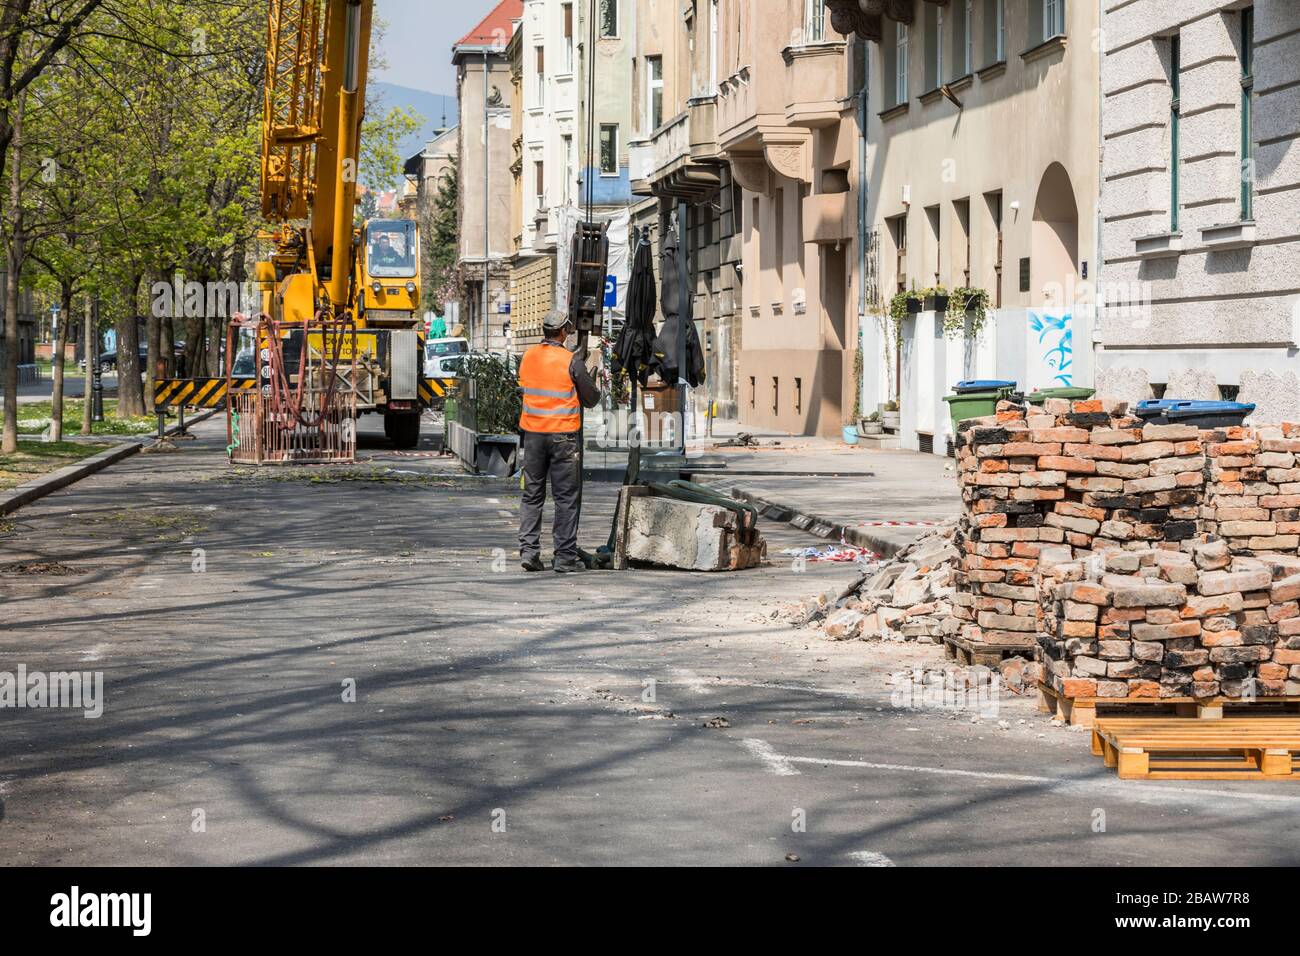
{"x":891,"y":417}
{"x":966,"y":313}
{"x":935,"y":299}
{"x":871,"y":426}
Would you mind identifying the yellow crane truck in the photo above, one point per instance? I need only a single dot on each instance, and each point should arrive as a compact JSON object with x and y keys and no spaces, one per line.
{"x":326,"y":274}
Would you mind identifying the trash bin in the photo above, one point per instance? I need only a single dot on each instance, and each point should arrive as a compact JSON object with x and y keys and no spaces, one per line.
{"x":1073,"y":394}
{"x":1198,"y":412}
{"x":1152,"y":410}
{"x":976,"y":398}
{"x":1204,"y":414}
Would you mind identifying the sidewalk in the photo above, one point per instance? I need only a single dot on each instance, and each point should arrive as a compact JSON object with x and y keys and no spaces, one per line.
{"x":882,"y":500}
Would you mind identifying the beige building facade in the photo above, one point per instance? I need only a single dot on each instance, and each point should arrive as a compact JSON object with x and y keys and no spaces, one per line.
{"x":484,"y":93}
{"x":1201,"y":202}
{"x":676,"y":160}
{"x":786,"y":121}
{"x":982,"y":174}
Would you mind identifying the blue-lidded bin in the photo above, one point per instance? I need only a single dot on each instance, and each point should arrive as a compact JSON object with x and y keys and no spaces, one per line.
{"x":983,"y":385}
{"x":1197,"y":412}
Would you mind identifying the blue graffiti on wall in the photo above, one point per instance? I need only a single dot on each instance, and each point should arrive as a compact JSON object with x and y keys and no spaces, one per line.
{"x":1057,"y":338}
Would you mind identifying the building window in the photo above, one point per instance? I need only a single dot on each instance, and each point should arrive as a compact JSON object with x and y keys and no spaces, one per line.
{"x":654,"y":92}
{"x":568,"y":36}
{"x":539,"y":183}
{"x":753,"y":392}
{"x":995,"y":31}
{"x":994,"y":202}
{"x":798,"y":396}
{"x":962,"y":39}
{"x":814,"y":21}
{"x":566,"y":145}
{"x":609,"y":18}
{"x":900,"y":64}
{"x":776,"y":395}
{"x":898,"y":232}
{"x":934,"y":75}
{"x":1247,"y":117}
{"x":540,"y":52}
{"x":609,"y":149}
{"x":1053,"y":18}
{"x":1175,"y":68}
{"x":713,"y":47}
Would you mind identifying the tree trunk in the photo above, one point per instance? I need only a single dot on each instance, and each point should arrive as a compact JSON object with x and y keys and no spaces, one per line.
{"x":130,"y":394}
{"x":60,"y":346}
{"x":13,"y":274}
{"x":90,"y":349}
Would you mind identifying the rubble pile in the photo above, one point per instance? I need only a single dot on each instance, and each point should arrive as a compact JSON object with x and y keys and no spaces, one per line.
{"x":908,"y":598}
{"x":1157,"y":622}
{"x":1041,"y":486}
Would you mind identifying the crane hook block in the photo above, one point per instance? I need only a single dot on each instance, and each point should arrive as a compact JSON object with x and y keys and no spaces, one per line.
{"x":587,"y":268}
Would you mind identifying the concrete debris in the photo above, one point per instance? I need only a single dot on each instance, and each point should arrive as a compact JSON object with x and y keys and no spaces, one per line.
{"x":906,"y":598}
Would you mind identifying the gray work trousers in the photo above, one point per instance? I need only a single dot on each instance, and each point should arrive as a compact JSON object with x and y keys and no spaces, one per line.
{"x":553,"y":457}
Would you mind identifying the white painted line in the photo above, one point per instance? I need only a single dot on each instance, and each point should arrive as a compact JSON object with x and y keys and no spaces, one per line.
{"x":948,"y":771}
{"x":94,"y":653}
{"x":1219,"y":800}
{"x":870,"y":858}
{"x":771,"y":759}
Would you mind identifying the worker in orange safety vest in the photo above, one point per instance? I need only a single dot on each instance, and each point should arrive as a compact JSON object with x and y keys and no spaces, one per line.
{"x":553,"y":382}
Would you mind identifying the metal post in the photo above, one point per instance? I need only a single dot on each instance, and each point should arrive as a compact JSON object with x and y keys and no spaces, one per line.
{"x":97,"y":378}
{"x":684,"y":316}
{"x":487,"y":245}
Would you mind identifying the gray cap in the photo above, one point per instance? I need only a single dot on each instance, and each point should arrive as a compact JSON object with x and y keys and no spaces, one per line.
{"x":555,"y":319}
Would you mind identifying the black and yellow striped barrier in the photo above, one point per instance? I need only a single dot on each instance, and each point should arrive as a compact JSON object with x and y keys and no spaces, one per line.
{"x":435,"y":389}
{"x":194,"y":392}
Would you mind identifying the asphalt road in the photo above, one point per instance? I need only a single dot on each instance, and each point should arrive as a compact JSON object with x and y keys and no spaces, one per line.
{"x":502,"y":718}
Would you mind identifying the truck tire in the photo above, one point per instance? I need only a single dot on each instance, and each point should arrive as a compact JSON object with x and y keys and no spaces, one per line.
{"x":403,"y":429}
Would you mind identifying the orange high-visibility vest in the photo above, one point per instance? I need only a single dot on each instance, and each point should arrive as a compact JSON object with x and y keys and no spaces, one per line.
{"x":550,"y":398}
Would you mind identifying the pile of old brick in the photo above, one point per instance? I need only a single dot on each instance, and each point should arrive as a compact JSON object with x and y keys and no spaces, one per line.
{"x":906,"y":598}
{"x":1137,"y":559}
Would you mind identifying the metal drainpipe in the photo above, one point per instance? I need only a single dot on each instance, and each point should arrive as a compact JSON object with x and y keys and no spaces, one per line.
{"x":487,"y":242}
{"x":862,"y":202}
{"x":1101,"y":185}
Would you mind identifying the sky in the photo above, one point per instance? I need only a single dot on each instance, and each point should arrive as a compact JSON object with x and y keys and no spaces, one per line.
{"x":418,"y":42}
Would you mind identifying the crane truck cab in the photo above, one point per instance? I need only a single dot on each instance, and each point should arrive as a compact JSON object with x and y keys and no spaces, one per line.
{"x":388,"y":304}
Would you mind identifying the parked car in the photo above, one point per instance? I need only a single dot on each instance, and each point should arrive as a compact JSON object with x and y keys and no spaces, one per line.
{"x":435,"y":350}
{"x":108,"y":360}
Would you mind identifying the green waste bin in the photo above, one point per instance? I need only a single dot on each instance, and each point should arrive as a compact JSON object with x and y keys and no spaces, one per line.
{"x":1073,"y":394}
{"x":976,"y":399}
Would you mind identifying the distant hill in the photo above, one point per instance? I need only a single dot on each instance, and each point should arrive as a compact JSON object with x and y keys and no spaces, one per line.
{"x":429,"y":105}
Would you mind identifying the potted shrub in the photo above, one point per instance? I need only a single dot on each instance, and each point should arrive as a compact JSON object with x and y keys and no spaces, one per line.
{"x":871,"y":426}
{"x":935,"y":299}
{"x":890,"y":417}
{"x":966,"y":313}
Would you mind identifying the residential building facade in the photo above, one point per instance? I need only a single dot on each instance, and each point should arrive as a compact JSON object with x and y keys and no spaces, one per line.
{"x":676,"y":159}
{"x":786,"y":121}
{"x":484,"y":152}
{"x":1201,"y":202}
{"x":982,"y":174}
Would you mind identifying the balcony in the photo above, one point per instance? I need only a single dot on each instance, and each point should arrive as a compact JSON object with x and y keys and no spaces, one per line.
{"x":817,"y":82}
{"x":703,"y":112}
{"x":829,"y":218}
{"x":667,"y":165}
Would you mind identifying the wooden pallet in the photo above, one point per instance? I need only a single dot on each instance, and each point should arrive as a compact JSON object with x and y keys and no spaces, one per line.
{"x":975,"y":653}
{"x":1082,"y":711}
{"x":1187,"y":748}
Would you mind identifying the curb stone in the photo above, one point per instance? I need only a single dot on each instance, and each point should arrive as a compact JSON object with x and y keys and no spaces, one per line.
{"x":820,"y":525}
{"x":38,"y":488}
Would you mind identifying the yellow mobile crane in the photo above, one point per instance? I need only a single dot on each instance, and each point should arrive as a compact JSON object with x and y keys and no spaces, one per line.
{"x":349,"y":296}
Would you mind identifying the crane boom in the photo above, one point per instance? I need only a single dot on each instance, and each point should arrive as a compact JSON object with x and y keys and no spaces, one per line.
{"x":318,"y":54}
{"x":340,"y":330}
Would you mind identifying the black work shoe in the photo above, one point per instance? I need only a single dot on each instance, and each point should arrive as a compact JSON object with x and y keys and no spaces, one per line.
{"x":532,"y":564}
{"x":568,"y":567}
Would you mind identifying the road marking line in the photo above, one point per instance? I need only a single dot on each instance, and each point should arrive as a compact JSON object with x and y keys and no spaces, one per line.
{"x":771,"y":759}
{"x":94,"y":653}
{"x":870,"y":858}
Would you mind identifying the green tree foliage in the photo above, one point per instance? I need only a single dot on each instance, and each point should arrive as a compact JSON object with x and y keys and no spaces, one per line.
{"x":440,"y":238}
